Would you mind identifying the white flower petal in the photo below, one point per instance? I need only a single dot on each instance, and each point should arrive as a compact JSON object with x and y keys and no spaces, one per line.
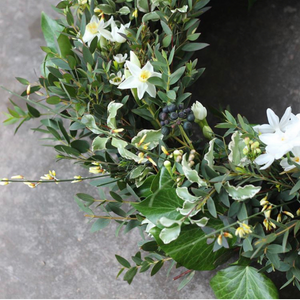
{"x":141,"y":89}
{"x":133,"y":68}
{"x":134,"y":59}
{"x":151,"y":89}
{"x":285,"y":118}
{"x":264,"y":159}
{"x":148,"y":67}
{"x":105,"y":33}
{"x":272,"y":118}
{"x":130,"y":83}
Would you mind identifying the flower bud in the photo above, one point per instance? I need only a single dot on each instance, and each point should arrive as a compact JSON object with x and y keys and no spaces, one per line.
{"x":199,"y":111}
{"x":219,"y":239}
{"x":168,"y":166}
{"x":245,"y":151}
{"x":207,"y":132}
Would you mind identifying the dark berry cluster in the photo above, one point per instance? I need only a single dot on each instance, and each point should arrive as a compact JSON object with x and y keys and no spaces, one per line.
{"x":173,"y":115}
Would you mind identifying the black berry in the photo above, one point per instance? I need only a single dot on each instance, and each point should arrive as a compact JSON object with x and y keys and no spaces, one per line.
{"x":163,"y":116}
{"x":165,"y":131}
{"x":191,"y":117}
{"x":172,"y":108}
{"x":182,"y":115}
{"x":187,"y":125}
{"x":174,"y":115}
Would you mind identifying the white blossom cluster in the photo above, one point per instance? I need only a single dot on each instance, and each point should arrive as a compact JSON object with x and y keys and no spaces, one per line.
{"x":280,"y":137}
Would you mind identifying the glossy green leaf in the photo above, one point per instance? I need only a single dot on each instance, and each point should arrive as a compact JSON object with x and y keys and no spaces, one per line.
{"x":163,"y":203}
{"x":81,"y":145}
{"x":190,"y":249}
{"x":243,"y":282}
{"x":124,"y":262}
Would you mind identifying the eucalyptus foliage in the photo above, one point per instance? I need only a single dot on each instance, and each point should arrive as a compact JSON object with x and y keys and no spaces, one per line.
{"x":114,"y":97}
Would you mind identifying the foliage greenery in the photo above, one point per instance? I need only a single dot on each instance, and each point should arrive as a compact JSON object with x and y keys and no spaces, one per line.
{"x":114,"y":97}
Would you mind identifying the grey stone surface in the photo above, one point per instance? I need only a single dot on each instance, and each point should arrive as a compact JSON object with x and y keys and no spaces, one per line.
{"x":46,"y":249}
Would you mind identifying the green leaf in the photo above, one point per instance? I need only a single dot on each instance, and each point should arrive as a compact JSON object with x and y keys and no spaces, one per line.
{"x":87,"y":55}
{"x":157,"y":267}
{"x":191,"y":175}
{"x":90,"y":123}
{"x":157,"y":81}
{"x":129,"y":275}
{"x":85,"y":197}
{"x":51,"y":30}
{"x":194,"y":46}
{"x":99,"y":143}
{"x":112,"y":110}
{"x":124,"y":10}
{"x":211,"y":207}
{"x":153,"y":16}
{"x":240,"y":193}
{"x":53,"y":100}
{"x":186,"y":280}
{"x":100,"y":224}
{"x":23,"y":81}
{"x":83,"y":206}
{"x":295,"y":188}
{"x":167,"y":235}
{"x":150,"y":137}
{"x":176,"y":75}
{"x":184,"y":194}
{"x":163,"y":203}
{"x":124,"y":262}
{"x":81,"y":145}
{"x":64,"y":132}
{"x":33,"y":111}
{"x":243,"y":282}
{"x":67,"y":150}
{"x":190,"y":249}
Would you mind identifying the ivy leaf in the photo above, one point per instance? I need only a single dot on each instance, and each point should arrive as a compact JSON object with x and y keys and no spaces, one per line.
{"x":190,"y":248}
{"x":241,"y":193}
{"x":163,"y":203}
{"x":243,"y":282}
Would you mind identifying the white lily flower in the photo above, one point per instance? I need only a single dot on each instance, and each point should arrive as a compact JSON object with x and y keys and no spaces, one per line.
{"x":96,"y":27}
{"x":284,"y":163}
{"x":120,"y":59}
{"x":116,"y":79}
{"x":115,"y":32}
{"x":82,"y":2}
{"x":139,"y":78}
{"x":199,"y":111}
{"x":274,"y":123}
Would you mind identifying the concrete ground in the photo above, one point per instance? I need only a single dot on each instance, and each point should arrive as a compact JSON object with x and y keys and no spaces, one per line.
{"x":46,"y":248}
